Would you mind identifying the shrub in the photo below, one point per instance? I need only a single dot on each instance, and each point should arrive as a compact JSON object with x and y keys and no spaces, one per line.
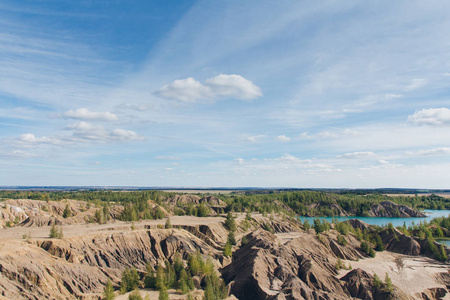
{"x":135,"y":295}
{"x":227,"y":250}
{"x":341,"y":240}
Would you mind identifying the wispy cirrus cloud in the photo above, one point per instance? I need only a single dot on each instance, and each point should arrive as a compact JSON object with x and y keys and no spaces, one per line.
{"x":358,"y":155}
{"x":430,"y":152}
{"x":87,"y":115}
{"x":219,"y":87}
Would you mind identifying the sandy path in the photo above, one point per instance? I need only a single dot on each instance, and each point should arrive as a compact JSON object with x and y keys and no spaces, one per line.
{"x":415,"y":276}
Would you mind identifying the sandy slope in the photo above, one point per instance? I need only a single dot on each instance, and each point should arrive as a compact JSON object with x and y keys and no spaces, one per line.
{"x":415,"y":276}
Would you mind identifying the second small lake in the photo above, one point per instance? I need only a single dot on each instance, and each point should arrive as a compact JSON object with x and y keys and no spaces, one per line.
{"x":380,"y":221}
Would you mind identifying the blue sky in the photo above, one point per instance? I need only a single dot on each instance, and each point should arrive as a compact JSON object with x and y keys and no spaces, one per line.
{"x":225,"y":93}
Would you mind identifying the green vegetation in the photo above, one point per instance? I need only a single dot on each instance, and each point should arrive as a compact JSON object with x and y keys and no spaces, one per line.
{"x":135,"y":295}
{"x":56,"y":233}
{"x":312,"y":203}
{"x":130,"y":280}
{"x":108,"y":292}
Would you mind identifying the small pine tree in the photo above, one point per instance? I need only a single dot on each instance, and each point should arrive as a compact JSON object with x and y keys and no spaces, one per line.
{"x":244,"y":241}
{"x":56,"y":233}
{"x":168,"y":225}
{"x":388,"y":283}
{"x":67,"y":212}
{"x":307,"y":225}
{"x":108,"y":293}
{"x":377,"y":284}
{"x":163,"y":294}
{"x":231,"y":238}
{"x":230,"y":223}
{"x":227,"y":251}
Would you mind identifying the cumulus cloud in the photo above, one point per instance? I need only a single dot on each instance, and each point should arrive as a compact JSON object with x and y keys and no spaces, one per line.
{"x":218,"y":87}
{"x":431,"y":152}
{"x":84,"y":131}
{"x":85,"y":114}
{"x":283,"y":138}
{"x":431,"y":117}
{"x":358,"y":155}
{"x":29,"y":138}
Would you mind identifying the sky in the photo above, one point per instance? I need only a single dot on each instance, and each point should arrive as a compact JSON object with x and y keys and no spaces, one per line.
{"x":170,"y":93}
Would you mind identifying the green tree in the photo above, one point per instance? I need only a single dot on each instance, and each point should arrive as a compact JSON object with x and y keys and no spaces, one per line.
{"x":231,"y":238}
{"x":130,"y":280}
{"x":377,"y":284}
{"x":378,"y":243}
{"x":307,"y":225}
{"x":108,"y":292}
{"x":56,"y":233}
{"x":227,"y":251}
{"x":388,"y":283}
{"x":230,"y":223}
{"x":163,"y":294}
{"x":67,"y":212}
{"x":168,"y":224}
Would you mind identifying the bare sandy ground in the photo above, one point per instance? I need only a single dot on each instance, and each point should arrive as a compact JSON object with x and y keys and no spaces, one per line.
{"x":416,"y":275}
{"x":16,"y":233}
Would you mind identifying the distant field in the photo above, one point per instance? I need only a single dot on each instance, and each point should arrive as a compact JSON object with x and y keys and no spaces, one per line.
{"x":445,"y":195}
{"x":200,"y":191}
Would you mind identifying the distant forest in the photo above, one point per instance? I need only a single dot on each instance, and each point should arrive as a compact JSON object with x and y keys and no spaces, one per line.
{"x":304,"y":202}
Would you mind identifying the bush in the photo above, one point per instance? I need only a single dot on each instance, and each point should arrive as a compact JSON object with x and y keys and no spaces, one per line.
{"x":135,"y":295}
{"x":227,"y":251}
{"x":341,"y":240}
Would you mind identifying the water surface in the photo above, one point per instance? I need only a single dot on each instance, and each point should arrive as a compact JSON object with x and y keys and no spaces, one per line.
{"x":381,"y":221}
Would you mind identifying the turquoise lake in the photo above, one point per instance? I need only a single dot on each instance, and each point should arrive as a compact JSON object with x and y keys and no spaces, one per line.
{"x":384,"y":221}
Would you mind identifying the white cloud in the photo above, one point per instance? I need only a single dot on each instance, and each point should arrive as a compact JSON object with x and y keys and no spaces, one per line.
{"x":416,"y":83}
{"x":221,"y":86}
{"x":358,"y":155}
{"x":239,"y":161}
{"x":254,"y":138}
{"x":305,"y":136}
{"x":85,"y":114}
{"x":431,"y":152}
{"x":84,"y":131}
{"x":431,"y":116}
{"x":283,"y":138}
{"x":29,"y":138}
